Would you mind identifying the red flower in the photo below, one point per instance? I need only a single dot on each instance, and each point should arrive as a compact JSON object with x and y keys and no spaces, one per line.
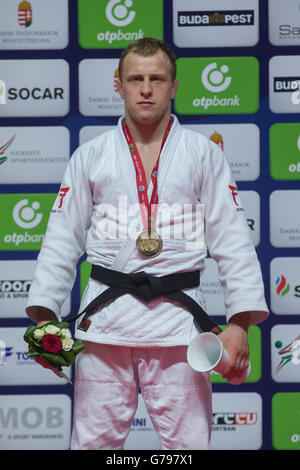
{"x":52,"y":343}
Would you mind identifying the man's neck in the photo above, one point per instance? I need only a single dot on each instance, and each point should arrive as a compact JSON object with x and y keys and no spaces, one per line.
{"x":144,"y":133}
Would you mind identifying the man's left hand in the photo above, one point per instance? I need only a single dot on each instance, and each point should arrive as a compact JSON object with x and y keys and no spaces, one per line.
{"x":235,"y":341}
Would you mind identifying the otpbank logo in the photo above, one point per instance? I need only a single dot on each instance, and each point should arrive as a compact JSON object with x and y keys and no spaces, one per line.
{"x":218,"y":85}
{"x":114,"y":24}
{"x":24,"y":220}
{"x":286,"y":421}
{"x":285,"y":151}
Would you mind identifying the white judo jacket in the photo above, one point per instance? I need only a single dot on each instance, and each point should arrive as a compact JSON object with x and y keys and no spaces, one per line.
{"x":97,"y":211}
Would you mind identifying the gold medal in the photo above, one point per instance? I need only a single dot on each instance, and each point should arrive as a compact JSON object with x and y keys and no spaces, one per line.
{"x":149,"y":243}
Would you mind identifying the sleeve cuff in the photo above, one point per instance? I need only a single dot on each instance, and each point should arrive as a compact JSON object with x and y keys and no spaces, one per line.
{"x":37,"y":302}
{"x":257,"y":314}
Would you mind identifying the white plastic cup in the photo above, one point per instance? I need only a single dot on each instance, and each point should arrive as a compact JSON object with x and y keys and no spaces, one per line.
{"x":206,"y":352}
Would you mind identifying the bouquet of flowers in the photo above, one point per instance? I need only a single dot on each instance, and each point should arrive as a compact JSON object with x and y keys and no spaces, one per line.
{"x":52,"y":346}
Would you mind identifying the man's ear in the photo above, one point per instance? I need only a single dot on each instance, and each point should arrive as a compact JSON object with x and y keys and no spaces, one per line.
{"x":174,"y":89}
{"x":120,"y":88}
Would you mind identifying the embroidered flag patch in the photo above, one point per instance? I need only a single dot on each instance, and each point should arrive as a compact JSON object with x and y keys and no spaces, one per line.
{"x":84,"y":325}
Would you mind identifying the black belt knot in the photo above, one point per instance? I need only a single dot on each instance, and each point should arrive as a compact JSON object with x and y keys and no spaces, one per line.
{"x":147,"y":286}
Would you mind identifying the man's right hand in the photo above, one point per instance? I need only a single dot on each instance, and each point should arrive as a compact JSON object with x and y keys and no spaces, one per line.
{"x":44,"y":315}
{"x":41,"y":323}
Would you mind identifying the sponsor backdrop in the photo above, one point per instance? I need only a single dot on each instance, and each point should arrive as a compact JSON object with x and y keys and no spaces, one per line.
{"x":239,"y":73}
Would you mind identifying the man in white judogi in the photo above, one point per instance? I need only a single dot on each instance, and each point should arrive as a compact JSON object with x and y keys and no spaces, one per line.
{"x":131,"y":342}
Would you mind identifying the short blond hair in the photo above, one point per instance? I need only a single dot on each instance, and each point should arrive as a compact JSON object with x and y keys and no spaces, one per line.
{"x":146,"y":47}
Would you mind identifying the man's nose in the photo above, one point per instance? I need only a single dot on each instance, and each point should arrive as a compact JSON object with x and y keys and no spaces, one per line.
{"x":146,"y":89}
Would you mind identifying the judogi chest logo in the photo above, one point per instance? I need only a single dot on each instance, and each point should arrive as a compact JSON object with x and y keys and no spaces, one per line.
{"x":61,"y":196}
{"x":234,"y":193}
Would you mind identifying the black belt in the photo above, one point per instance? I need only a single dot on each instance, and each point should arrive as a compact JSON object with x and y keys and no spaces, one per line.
{"x":146,"y":287}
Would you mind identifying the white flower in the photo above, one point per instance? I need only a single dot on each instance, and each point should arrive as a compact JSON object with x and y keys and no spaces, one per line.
{"x":66,"y":333}
{"x":38,"y":334}
{"x":52,"y":330}
{"x":67,"y":344}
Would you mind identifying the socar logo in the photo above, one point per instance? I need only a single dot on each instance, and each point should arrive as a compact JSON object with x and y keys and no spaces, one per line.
{"x":282,"y":286}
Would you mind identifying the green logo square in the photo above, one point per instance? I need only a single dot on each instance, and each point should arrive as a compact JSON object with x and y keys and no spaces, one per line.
{"x":113,"y":24}
{"x":254,"y":337}
{"x":217,"y":85}
{"x":24,"y":220}
{"x":285,"y":151}
{"x":286,"y":421}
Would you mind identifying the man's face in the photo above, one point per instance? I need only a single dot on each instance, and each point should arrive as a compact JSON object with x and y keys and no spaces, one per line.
{"x":147,"y":87}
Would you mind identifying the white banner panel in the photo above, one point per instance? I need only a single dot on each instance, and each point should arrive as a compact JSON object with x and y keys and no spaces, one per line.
{"x":240,"y":143}
{"x":41,"y":24}
{"x":90,"y":132}
{"x":98,"y":95}
{"x":35,"y":422}
{"x":212,"y":289}
{"x":35,"y":87}
{"x":285,"y":218}
{"x":251,"y":204}
{"x":237,"y":421}
{"x":284,"y":84}
{"x":285,"y":286}
{"x":33,"y":155}
{"x":215,"y":23}
{"x":284,"y":21}
{"x":15,"y":281}
{"x":285,"y":353}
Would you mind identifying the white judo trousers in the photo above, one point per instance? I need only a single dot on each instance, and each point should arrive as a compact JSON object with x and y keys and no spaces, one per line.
{"x":178,"y":399}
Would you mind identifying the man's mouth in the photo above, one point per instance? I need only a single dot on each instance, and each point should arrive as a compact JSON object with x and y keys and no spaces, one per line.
{"x":146,"y":103}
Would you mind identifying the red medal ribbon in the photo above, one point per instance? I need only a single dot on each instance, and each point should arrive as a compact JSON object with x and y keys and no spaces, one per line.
{"x":147,"y":212}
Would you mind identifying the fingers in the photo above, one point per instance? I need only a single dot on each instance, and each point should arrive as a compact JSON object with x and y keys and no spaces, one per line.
{"x":236,"y":366}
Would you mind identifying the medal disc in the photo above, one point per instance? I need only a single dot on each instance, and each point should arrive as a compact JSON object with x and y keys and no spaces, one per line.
{"x":149,"y":243}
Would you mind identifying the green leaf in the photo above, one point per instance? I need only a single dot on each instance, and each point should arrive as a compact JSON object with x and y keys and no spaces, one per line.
{"x":69,"y":356}
{"x":77,"y":347}
{"x":54,"y":359}
{"x":32,"y":354}
{"x":63,"y":325}
{"x":57,"y":323}
{"x":29,"y":333}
